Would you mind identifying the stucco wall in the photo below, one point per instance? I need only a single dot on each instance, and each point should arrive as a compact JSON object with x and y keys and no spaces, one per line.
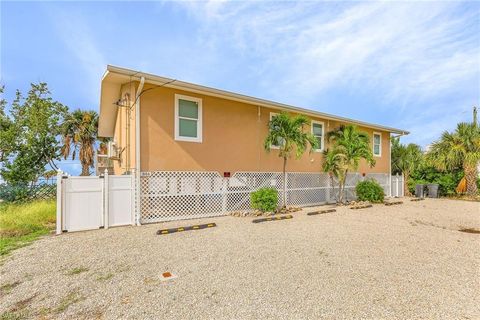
{"x":233,"y":135}
{"x":124,"y":137}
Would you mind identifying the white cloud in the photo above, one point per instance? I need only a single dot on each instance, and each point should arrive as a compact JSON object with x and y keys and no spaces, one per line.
{"x":420,"y":59}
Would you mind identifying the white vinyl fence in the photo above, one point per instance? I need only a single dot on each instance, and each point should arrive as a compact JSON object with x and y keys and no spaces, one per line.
{"x":397,"y":186}
{"x":85,"y":203}
{"x":175,"y":195}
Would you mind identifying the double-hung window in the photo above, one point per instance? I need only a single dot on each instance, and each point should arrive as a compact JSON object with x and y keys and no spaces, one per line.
{"x":318,"y":133}
{"x":188,"y":118}
{"x":377,"y":144}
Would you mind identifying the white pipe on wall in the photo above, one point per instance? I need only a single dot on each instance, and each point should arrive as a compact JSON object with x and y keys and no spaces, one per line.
{"x":137,"y":149}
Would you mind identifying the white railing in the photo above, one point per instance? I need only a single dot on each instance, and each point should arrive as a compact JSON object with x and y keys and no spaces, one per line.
{"x":175,"y":195}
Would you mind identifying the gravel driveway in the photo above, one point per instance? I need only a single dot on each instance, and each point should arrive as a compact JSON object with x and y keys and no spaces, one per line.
{"x":403,"y":261}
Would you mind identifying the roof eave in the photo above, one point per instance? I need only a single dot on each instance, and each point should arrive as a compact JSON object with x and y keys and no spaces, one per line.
{"x":186,"y":86}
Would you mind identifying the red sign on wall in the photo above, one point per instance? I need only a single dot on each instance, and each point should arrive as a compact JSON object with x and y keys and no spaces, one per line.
{"x":226,"y":174}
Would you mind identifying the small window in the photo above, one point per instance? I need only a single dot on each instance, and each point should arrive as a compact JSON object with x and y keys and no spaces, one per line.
{"x":377,"y":144}
{"x":280,"y":141}
{"x":188,"y":118}
{"x":317,"y":132}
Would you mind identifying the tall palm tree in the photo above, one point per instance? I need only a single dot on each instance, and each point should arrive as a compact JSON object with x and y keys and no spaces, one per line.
{"x":406,"y":159}
{"x":334,"y":162}
{"x":79,"y":133}
{"x":459,"y":149}
{"x":349,"y":146}
{"x":288,"y":134}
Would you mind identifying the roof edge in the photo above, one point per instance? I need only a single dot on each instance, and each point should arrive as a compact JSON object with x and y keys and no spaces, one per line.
{"x":186,"y":86}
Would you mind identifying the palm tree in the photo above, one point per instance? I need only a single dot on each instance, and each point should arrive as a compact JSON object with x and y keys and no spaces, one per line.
{"x":79,"y":133}
{"x":459,"y":149}
{"x":289,"y":135}
{"x":349,"y":146}
{"x":334,"y":162}
{"x":406,"y":159}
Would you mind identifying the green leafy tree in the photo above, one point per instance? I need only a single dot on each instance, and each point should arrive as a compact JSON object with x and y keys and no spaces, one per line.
{"x":79,"y":132}
{"x":7,"y":135}
{"x":288,"y":133}
{"x":349,"y":146}
{"x":30,"y":135}
{"x":460,"y":148}
{"x":406,"y":159}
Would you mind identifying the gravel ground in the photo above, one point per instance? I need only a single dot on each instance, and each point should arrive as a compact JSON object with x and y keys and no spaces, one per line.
{"x":403,"y":261}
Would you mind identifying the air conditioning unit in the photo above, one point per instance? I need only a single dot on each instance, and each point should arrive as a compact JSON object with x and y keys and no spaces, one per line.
{"x":112,"y":152}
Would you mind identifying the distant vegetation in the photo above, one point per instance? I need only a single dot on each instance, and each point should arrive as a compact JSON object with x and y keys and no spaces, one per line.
{"x":453,"y":157}
{"x":35,"y":133}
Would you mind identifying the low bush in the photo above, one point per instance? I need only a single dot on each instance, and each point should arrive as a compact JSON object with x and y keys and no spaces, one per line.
{"x":369,"y":190}
{"x":447,"y":181}
{"x":16,"y":193}
{"x":264,"y":199}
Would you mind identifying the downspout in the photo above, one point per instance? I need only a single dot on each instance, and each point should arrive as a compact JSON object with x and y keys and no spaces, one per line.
{"x":137,"y":150}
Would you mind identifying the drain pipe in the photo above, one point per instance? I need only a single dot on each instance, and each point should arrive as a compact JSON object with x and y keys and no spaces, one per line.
{"x":137,"y":151}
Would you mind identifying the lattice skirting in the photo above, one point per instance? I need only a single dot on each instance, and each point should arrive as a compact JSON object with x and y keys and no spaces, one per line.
{"x":176,"y":195}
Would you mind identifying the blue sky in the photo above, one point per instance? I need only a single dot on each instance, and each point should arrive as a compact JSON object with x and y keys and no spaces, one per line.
{"x":412,"y":65}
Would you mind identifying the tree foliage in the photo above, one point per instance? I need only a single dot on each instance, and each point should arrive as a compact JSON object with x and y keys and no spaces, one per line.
{"x":29,"y":134}
{"x":406,"y":159}
{"x":459,"y":149}
{"x":79,"y":134}
{"x":288,"y":133}
{"x":348,"y":147}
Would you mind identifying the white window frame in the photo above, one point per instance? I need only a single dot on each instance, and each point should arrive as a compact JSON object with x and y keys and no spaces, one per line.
{"x":178,"y":137}
{"x":272,"y":114}
{"x":373,"y":144}
{"x":323,"y":134}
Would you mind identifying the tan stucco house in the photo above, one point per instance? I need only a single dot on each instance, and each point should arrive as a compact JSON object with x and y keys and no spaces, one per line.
{"x":160,"y":125}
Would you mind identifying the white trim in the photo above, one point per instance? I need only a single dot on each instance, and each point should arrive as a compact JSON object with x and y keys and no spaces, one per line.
{"x":272,"y":114}
{"x":373,"y":144}
{"x":323,"y":134}
{"x":178,"y":137}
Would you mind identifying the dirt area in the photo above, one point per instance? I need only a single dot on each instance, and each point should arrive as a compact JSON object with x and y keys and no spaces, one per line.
{"x":401,"y":261}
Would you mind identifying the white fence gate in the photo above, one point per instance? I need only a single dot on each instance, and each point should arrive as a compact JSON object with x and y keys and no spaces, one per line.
{"x":85,"y":203}
{"x":397,"y":186}
{"x":175,"y":195}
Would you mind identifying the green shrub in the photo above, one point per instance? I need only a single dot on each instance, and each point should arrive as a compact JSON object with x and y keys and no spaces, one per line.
{"x":369,"y":190}
{"x":14,"y":193}
{"x":264,"y":199}
{"x":447,"y":181}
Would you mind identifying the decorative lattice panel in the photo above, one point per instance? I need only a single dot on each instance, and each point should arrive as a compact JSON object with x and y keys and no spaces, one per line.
{"x":305,"y":189}
{"x":174,"y":195}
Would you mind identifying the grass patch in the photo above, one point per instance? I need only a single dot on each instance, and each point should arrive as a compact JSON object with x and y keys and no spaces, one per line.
{"x":105,"y":277}
{"x":71,"y":298}
{"x":18,"y":311}
{"x":20,"y":224}
{"x":7,"y":288}
{"x":77,"y":270}
{"x":13,"y":315}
